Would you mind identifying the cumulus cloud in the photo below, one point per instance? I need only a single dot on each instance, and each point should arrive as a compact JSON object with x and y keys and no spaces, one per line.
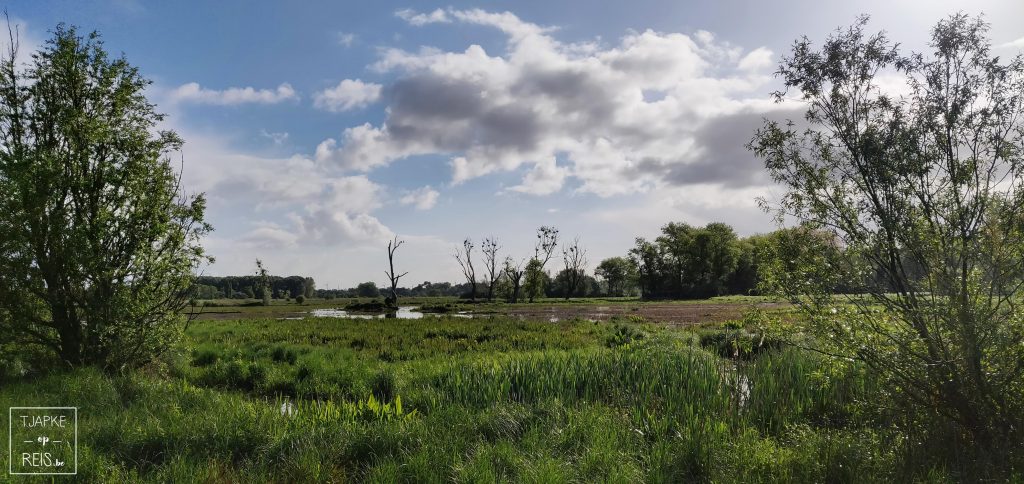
{"x":757,"y":60}
{"x":196,"y":94}
{"x":312,"y":203}
{"x":544,"y":179}
{"x":423,"y":198}
{"x":649,"y":110}
{"x":348,"y":94}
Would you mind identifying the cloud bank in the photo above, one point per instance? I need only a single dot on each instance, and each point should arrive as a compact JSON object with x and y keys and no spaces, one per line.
{"x":654,"y":109}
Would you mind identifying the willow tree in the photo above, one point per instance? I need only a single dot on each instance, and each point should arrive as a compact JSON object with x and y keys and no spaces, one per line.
{"x":99,"y":245}
{"x":921,"y":188}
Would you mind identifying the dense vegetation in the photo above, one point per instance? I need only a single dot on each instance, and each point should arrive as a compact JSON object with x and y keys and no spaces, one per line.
{"x":923,"y":191}
{"x":99,"y":246}
{"x":485,"y":400}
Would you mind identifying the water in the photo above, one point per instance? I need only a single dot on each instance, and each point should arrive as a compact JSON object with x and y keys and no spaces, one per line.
{"x":404,"y":312}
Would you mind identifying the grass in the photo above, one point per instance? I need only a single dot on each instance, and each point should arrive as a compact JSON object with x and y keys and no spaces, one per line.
{"x":496,"y":400}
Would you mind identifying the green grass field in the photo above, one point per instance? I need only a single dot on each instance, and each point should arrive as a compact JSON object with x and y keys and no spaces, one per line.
{"x":496,"y":400}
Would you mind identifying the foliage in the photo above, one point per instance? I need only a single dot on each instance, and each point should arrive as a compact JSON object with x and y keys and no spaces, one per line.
{"x":367,"y":289}
{"x":284,"y":401}
{"x":619,"y":275}
{"x":923,"y":192}
{"x":687,"y":262}
{"x":536,"y":280}
{"x":99,"y":245}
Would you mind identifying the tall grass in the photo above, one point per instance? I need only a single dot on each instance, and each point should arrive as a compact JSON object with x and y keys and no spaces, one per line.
{"x":473,"y":401}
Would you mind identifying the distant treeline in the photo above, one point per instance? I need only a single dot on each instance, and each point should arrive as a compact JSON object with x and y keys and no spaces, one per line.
{"x":240,"y":287}
{"x":687,"y":262}
{"x":683,"y":262}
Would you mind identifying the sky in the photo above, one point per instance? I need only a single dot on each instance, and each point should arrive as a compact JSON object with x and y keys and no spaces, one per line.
{"x":319,"y":130}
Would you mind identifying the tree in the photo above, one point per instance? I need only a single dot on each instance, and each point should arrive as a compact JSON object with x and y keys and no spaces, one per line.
{"x":536,"y":279}
{"x":547,"y":242}
{"x":308,"y":287}
{"x":490,"y":249}
{"x":392,"y":299}
{"x":465,"y":258}
{"x":515,"y":272}
{"x":263,"y":290}
{"x":617,"y":272}
{"x":712,"y":258}
{"x":99,"y":244}
{"x":574,"y":258}
{"x":648,"y":260}
{"x":923,"y":193}
{"x":367,"y":289}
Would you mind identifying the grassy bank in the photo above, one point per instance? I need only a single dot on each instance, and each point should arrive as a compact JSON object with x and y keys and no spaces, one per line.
{"x":447,"y":399}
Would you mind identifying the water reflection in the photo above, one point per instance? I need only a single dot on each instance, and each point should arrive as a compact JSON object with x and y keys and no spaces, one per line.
{"x":404,"y":312}
{"x":407,"y":312}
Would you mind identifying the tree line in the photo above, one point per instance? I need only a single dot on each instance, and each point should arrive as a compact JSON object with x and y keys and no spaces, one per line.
{"x":251,"y":286}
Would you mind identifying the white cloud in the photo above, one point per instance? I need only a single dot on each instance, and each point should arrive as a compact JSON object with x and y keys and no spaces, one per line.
{"x":545,"y":178}
{"x":27,"y":41}
{"x":348,"y":94}
{"x":346,"y":38}
{"x":423,"y":198}
{"x":642,"y":113}
{"x":409,"y":15}
{"x":313,"y":203}
{"x":757,"y":60}
{"x":1019,"y":44}
{"x":269,"y":236}
{"x":196,"y":94}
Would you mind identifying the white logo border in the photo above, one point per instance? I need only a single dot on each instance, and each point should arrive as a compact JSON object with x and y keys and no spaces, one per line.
{"x":10,"y":443}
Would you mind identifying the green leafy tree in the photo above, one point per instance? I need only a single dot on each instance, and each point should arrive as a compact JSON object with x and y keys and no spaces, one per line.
{"x":712,"y":257}
{"x":536,"y":279}
{"x":367,"y":289}
{"x":923,"y":192}
{"x":618,"y":274}
{"x":99,"y":246}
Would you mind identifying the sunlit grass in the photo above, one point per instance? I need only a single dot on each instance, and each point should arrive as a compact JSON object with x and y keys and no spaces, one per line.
{"x":450,"y":399}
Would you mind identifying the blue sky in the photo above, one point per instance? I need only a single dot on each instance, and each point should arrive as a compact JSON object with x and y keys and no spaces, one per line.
{"x":320,"y":129}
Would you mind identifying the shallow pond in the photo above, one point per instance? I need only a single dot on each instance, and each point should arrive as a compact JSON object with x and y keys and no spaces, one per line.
{"x":404,"y":312}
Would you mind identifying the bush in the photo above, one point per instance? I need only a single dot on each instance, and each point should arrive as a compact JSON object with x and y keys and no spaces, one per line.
{"x":300,"y":299}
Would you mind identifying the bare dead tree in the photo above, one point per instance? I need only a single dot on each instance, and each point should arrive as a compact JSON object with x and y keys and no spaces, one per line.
{"x":574,"y":257}
{"x":264,"y":278}
{"x":547,"y":242}
{"x":393,"y":245}
{"x":514,"y":270}
{"x":490,"y":249}
{"x":465,"y":258}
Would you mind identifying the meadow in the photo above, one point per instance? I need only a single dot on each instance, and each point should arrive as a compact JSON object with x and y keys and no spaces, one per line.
{"x":481,"y":400}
